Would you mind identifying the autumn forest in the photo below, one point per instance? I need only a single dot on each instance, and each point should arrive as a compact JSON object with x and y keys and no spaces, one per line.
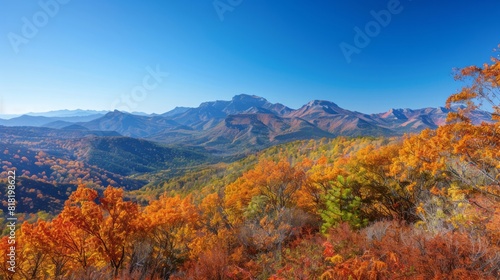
{"x":420,"y":206}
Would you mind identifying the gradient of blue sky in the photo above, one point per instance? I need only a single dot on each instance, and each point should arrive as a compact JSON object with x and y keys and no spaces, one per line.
{"x":93,"y":52}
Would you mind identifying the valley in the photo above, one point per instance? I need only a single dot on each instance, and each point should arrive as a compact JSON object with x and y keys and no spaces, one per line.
{"x":141,"y":151}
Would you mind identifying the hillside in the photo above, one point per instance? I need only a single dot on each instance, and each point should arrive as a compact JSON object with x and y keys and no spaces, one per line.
{"x":127,"y":156}
{"x":71,"y":156}
{"x":215,"y":176}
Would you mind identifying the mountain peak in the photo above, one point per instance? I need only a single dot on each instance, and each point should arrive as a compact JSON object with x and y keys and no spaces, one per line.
{"x":247,"y":97}
{"x":321,"y":103}
{"x":243,"y":102}
{"x":176,"y":111}
{"x":117,"y":113}
{"x":395,"y":114}
{"x":318,"y":108}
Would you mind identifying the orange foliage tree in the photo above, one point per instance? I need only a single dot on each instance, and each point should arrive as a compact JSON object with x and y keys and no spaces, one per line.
{"x":110,"y":223}
{"x":171,"y":228}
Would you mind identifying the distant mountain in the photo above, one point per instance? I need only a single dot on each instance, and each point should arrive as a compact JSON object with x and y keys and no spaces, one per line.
{"x":176,"y":111}
{"x":26,"y":120}
{"x":210,"y":114}
{"x":57,"y":114}
{"x":29,"y":120}
{"x":142,"y":114}
{"x":131,"y":125}
{"x":248,"y":131}
{"x":68,"y":113}
{"x":60,"y":124}
{"x":408,"y":120}
{"x":251,"y":122}
{"x":8,"y":116}
{"x":329,"y":117}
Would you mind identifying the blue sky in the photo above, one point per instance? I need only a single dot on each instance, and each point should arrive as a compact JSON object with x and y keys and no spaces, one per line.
{"x":101,"y":54}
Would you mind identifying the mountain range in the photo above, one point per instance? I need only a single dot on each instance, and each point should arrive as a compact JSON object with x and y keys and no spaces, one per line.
{"x":53,"y":152}
{"x":246,"y":122}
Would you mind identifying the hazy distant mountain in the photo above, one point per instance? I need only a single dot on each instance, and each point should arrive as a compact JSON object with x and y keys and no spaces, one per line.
{"x":8,"y":116}
{"x":59,"y":124}
{"x":57,"y":114}
{"x":142,"y":114}
{"x":130,"y":125}
{"x":28,"y":120}
{"x":408,"y":120}
{"x":68,"y":113}
{"x":56,"y":119}
{"x":176,"y":111}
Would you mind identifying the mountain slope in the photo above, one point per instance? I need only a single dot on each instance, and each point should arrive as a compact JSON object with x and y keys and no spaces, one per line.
{"x":328,"y":116}
{"x":257,"y":130}
{"x":126,"y":156}
{"x":131,"y":125}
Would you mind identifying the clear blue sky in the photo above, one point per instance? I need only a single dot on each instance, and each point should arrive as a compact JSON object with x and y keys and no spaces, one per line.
{"x":89,"y":54}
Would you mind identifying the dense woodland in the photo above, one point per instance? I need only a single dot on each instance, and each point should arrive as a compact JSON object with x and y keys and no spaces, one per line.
{"x":425,"y":206}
